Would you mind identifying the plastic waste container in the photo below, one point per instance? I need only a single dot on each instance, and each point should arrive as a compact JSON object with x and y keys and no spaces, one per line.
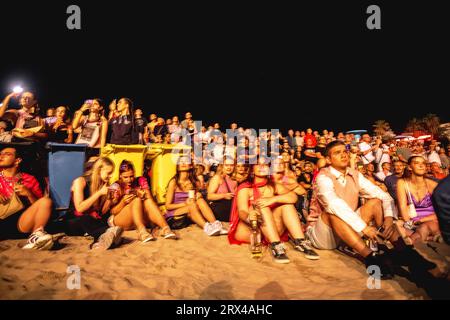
{"x":164,"y":166}
{"x":118,"y":153}
{"x":65,"y":164}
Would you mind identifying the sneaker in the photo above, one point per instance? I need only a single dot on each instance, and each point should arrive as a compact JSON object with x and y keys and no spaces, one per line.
{"x":383,"y":262}
{"x":211,"y":229}
{"x":39,"y":240}
{"x":304,"y":246}
{"x":219,"y":225}
{"x":111,"y":236}
{"x":279,"y":252}
{"x":145,"y":236}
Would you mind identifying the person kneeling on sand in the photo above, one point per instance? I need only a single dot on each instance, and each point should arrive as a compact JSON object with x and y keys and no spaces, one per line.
{"x":275,"y":203}
{"x":88,"y":213}
{"x":20,"y":191}
{"x":185,"y":204}
{"x":133,"y":205}
{"x":338,"y":190}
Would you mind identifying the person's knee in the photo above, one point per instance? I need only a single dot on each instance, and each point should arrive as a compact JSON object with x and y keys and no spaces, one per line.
{"x":375,"y":204}
{"x":45,"y":202}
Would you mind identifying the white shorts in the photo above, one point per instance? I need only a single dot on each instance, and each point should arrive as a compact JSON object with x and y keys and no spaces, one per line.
{"x":322,"y":236}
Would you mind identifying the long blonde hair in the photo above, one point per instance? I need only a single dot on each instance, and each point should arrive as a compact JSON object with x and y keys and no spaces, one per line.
{"x":93,"y":176}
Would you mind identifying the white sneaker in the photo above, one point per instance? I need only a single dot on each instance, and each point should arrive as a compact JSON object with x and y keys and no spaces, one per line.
{"x":39,"y":240}
{"x":219,"y":225}
{"x":111,"y":236}
{"x":211,"y":229}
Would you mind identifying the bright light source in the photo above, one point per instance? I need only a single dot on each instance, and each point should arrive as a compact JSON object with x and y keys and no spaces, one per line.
{"x":18,"y":89}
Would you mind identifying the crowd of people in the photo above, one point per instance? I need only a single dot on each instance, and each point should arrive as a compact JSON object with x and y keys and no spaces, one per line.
{"x":367,"y":197}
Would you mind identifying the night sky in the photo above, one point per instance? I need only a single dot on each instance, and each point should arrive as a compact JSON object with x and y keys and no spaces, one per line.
{"x":313,"y":65}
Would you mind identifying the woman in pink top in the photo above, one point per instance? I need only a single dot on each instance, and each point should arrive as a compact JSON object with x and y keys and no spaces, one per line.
{"x":222,"y":189}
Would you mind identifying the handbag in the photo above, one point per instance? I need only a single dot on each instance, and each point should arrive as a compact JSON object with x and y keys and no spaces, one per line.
{"x":411,"y":208}
{"x":13,"y":206}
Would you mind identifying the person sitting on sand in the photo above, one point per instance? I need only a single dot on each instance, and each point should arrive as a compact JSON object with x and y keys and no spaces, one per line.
{"x":241,"y":172}
{"x":33,"y":210}
{"x":88,"y":213}
{"x":280,"y":176}
{"x":275,"y":203}
{"x":338,"y":190}
{"x":221,"y":190}
{"x":185,"y":204}
{"x":414,"y":188}
{"x":133,"y":205}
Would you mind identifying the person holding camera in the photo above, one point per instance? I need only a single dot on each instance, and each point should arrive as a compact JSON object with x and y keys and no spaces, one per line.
{"x":90,"y":124}
{"x":28,"y":124}
{"x":133,"y":206}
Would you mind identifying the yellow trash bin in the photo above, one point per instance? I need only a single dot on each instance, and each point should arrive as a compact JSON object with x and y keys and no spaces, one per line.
{"x":164,"y":158}
{"x":118,"y":153}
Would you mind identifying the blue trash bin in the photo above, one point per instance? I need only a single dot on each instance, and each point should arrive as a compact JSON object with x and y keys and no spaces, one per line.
{"x":65,"y":164}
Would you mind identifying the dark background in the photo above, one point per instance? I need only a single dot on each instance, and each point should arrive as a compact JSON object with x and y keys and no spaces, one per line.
{"x":262,"y":64}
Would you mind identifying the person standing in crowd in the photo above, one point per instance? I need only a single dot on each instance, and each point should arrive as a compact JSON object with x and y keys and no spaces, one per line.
{"x":51,"y":117}
{"x":5,"y":133}
{"x":437,"y":172}
{"x":445,"y":160}
{"x":415,"y":189}
{"x":148,"y":132}
{"x":28,"y":124}
{"x":90,"y":124}
{"x":310,"y":139}
{"x":391,"y":180}
{"x":403,"y":152}
{"x":367,"y":150}
{"x":355,"y":158}
{"x":385,"y":172}
{"x":132,"y":206}
{"x":123,"y":128}
{"x":222,"y":189}
{"x":299,"y":140}
{"x":187,"y":118}
{"x":432,"y":155}
{"x":61,"y":131}
{"x":21,"y":192}
{"x":140,"y":123}
{"x":310,"y":154}
{"x":185,"y":204}
{"x":291,"y":139}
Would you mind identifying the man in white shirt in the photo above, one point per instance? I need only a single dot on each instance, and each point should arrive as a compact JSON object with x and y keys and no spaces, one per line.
{"x":385,"y":171}
{"x":366,"y":149}
{"x":338,"y":189}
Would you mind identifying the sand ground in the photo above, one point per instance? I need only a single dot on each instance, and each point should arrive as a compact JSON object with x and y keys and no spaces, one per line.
{"x":195,"y":267}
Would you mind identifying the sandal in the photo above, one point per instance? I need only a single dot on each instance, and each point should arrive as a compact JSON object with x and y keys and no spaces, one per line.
{"x":166,"y":233}
{"x":145,"y":236}
{"x":401,"y":230}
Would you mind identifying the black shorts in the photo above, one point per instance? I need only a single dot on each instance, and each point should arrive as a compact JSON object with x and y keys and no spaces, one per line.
{"x":9,"y":228}
{"x":221,"y":209}
{"x":179,"y":222}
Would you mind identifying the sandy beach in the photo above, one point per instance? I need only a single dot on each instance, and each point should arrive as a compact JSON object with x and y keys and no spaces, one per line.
{"x":195,"y":267}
